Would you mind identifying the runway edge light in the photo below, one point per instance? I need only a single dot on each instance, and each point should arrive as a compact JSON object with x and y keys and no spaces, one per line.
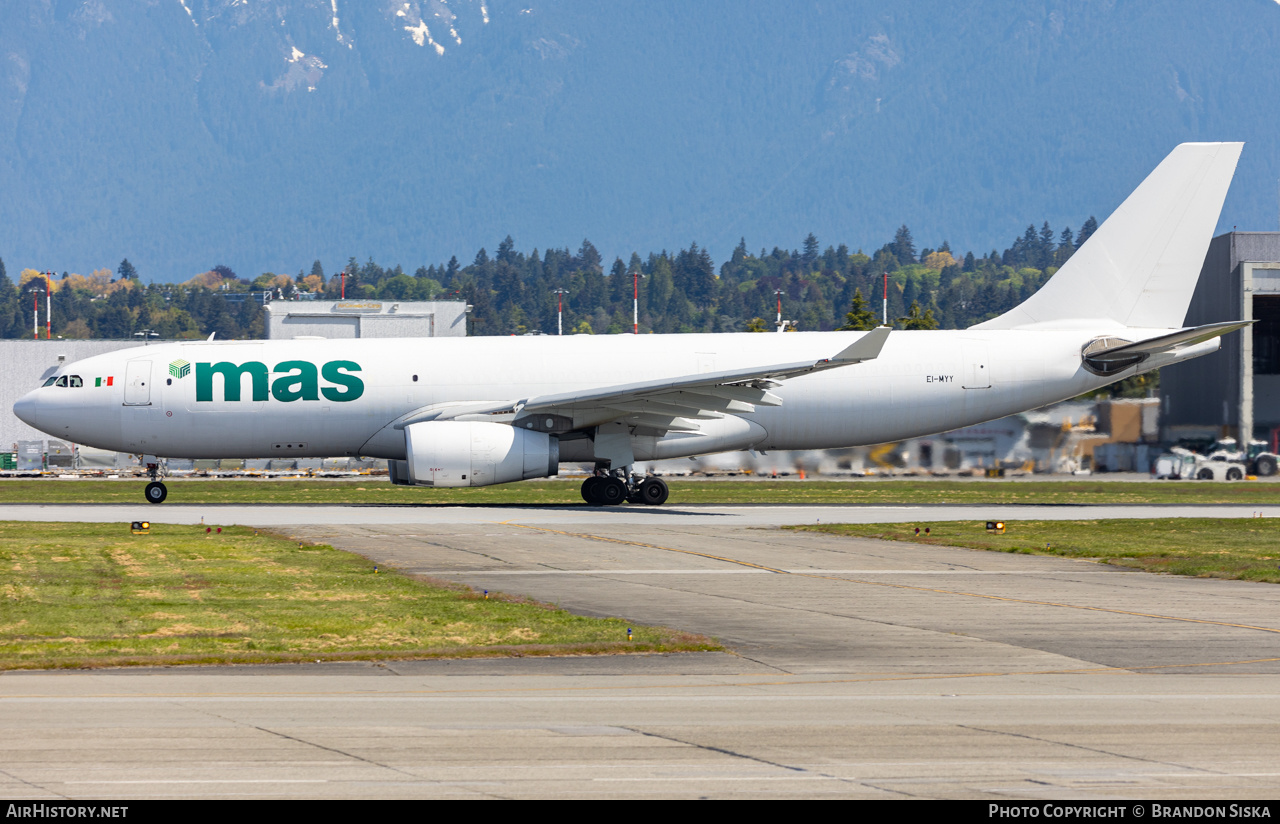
{"x":140,"y":527}
{"x":996,"y":527}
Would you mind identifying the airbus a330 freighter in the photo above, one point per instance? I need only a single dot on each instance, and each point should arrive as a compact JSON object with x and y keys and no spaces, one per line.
{"x":449,"y":412}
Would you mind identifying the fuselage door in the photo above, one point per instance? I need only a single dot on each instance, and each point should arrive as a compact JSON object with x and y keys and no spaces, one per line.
{"x":137,"y":383}
{"x":977,"y":364}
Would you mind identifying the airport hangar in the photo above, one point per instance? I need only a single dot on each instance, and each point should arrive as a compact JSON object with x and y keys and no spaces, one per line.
{"x":1236,"y":390}
{"x":25,"y":363}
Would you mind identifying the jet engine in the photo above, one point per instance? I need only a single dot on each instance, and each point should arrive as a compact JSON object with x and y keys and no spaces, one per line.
{"x":473,"y":453}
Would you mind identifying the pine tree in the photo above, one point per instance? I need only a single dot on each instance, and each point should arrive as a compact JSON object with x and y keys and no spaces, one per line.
{"x":620,"y":283}
{"x":505,"y":254}
{"x":810,"y":251}
{"x":903,"y":246}
{"x":1090,"y":226}
{"x":126,"y":270}
{"x":1045,"y":249}
{"x":910,"y":291}
{"x":589,"y":258}
{"x":916,"y":319}
{"x":317,"y":269}
{"x":859,"y":317}
{"x":1066,"y":245}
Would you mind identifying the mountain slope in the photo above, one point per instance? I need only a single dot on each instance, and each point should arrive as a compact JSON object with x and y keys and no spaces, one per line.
{"x":184,"y":133}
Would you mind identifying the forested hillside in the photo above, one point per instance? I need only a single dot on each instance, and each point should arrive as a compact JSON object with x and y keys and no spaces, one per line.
{"x":514,"y":292}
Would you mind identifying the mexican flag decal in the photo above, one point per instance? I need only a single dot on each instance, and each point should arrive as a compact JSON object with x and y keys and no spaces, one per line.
{"x":99,"y":381}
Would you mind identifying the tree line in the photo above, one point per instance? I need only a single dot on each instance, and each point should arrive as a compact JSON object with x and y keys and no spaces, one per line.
{"x":513,"y":292}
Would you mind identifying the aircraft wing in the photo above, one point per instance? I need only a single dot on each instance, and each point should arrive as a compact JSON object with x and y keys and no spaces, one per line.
{"x":660,"y":405}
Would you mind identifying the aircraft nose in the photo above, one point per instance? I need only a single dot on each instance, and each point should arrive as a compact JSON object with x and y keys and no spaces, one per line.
{"x":27,"y":409}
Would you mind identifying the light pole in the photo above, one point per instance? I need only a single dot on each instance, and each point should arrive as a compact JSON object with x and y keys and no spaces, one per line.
{"x":344,"y":284}
{"x":48,"y":305}
{"x":560,"y":293}
{"x":35,"y":312}
{"x":778,"y":292}
{"x":635,"y":302}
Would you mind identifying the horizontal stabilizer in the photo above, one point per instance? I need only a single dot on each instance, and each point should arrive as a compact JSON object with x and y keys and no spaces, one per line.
{"x":1167,"y":343}
{"x":1109,"y":356}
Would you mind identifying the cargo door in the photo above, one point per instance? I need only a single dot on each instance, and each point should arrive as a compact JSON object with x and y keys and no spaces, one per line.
{"x":137,"y":383}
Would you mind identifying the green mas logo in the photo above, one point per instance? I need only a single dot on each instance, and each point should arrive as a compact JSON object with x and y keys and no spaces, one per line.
{"x":289,"y":381}
{"x":179,"y":369}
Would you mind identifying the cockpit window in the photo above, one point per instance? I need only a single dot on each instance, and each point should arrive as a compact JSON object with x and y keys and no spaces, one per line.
{"x":75,"y":382}
{"x":62,"y":381}
{"x":50,"y":381}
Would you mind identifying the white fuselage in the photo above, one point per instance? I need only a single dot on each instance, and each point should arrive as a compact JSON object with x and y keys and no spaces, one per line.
{"x":322,"y":398}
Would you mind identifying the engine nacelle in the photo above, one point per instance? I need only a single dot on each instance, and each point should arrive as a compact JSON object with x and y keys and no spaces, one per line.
{"x":474,"y":453}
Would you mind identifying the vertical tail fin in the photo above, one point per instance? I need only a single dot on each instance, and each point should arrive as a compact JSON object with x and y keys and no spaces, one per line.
{"x":1140,"y":268}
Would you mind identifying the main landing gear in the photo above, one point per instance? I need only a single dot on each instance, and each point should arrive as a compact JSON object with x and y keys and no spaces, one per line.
{"x":612,"y":489}
{"x":156,"y":491}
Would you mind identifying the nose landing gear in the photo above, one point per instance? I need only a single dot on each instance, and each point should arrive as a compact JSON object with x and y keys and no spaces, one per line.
{"x":612,"y":489}
{"x":156,"y":492}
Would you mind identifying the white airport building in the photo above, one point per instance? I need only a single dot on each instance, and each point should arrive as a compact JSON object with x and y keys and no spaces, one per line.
{"x":366,"y":319}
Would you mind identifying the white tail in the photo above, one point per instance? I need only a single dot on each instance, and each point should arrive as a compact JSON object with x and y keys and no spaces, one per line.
{"x":1140,"y":268}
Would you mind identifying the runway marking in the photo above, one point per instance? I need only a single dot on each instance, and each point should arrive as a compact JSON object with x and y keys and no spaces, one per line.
{"x":210,"y":781}
{"x":1006,"y":599}
{"x":441,"y":572}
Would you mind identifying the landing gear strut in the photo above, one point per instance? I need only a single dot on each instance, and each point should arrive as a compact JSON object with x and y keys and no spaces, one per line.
{"x":156,"y":492}
{"x":610,"y":489}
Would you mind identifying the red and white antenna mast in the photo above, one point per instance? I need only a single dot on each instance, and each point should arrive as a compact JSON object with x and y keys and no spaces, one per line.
{"x":886,"y":298}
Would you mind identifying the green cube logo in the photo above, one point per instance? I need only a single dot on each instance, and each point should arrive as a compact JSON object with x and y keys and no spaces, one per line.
{"x":179,"y":369}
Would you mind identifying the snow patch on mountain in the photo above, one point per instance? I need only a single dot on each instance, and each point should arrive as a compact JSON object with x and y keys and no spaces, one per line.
{"x":414,"y":20}
{"x":304,"y":70}
{"x":333,"y":4}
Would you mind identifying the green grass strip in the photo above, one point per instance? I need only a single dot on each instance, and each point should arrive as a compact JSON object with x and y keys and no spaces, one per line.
{"x":1240,"y":548}
{"x":378,"y":490}
{"x":93,"y":595}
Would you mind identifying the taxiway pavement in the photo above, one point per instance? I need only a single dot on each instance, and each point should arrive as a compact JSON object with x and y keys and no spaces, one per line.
{"x":857,"y":669}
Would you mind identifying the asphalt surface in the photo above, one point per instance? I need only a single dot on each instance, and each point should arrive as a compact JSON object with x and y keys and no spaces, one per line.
{"x":857,"y":669}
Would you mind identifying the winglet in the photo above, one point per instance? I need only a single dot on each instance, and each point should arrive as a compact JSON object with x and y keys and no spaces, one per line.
{"x":864,"y":348}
